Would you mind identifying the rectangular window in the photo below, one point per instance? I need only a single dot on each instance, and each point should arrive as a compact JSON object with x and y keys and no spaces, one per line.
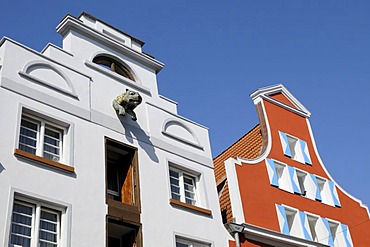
{"x":122,"y":234}
{"x":40,"y":138}
{"x":180,"y":242}
{"x":121,"y":179}
{"x":183,"y":186}
{"x":34,"y":224}
{"x":44,"y":140}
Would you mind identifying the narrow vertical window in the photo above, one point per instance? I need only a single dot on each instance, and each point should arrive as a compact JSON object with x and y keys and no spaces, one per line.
{"x":301,"y":180}
{"x":120,"y":169}
{"x":312,"y":224}
{"x":333,"y":230}
{"x":292,"y":142}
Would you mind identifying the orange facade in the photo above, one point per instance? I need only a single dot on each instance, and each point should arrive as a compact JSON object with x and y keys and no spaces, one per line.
{"x":261,"y":200}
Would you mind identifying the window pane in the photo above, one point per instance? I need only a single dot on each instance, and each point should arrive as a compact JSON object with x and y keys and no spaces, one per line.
{"x":21,"y":224}
{"x":174,"y":174}
{"x":175,"y":189}
{"x":181,"y":245}
{"x":175,"y":196}
{"x":48,"y":228}
{"x":28,"y":136}
{"x":174,"y":181}
{"x":52,"y":133}
{"x":18,"y":240}
{"x":52,"y":141}
{"x":112,"y":177}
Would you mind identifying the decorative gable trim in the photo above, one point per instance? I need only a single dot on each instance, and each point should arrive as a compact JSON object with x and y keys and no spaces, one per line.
{"x":266,"y":93}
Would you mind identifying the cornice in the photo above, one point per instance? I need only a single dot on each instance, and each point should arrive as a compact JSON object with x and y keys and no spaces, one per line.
{"x":71,"y":23}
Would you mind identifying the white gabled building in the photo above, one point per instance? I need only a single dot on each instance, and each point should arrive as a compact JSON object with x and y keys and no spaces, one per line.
{"x":73,"y":172}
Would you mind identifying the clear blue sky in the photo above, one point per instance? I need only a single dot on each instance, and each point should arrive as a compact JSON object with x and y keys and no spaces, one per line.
{"x":218,"y":52}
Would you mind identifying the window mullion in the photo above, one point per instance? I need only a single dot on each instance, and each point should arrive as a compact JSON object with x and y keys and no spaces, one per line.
{"x":36,"y":223}
{"x":182,"y":187}
{"x":40,"y":147}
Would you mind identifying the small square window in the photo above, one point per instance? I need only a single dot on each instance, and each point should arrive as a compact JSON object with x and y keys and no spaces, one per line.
{"x":183,"y":186}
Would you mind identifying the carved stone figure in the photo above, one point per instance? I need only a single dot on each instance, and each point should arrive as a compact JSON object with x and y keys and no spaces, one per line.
{"x":127,"y":102}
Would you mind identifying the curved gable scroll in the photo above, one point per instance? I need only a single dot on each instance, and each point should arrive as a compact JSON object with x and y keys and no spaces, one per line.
{"x":49,"y":76}
{"x":180,"y":132}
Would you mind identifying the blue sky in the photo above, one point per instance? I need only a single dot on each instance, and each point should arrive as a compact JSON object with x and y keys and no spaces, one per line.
{"x":218,"y":52}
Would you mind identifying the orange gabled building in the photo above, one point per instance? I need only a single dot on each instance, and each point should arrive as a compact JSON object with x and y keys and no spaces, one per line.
{"x":275,"y":190}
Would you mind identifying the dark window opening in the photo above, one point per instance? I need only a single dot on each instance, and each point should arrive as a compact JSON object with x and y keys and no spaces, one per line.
{"x":120,"y":170}
{"x":122,"y":235}
{"x":224,"y":215}
{"x":113,"y":65}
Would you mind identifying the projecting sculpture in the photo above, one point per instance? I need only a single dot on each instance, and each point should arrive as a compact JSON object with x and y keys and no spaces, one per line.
{"x":127,"y":102}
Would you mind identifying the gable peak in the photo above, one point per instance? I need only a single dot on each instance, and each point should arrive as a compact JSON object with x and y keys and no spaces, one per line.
{"x":279,"y":95}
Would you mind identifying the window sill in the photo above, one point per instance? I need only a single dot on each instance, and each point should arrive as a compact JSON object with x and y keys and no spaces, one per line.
{"x":191,"y":207}
{"x":44,"y":161}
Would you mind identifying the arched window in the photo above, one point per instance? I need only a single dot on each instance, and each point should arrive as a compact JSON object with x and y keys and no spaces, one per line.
{"x":113,"y":65}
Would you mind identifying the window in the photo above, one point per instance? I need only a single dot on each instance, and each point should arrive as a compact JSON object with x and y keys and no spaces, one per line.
{"x":121,"y":173}
{"x":295,"y":148}
{"x":183,"y":186}
{"x":301,"y":176}
{"x":333,"y":230}
{"x":34,"y":224}
{"x":113,"y":65}
{"x":40,"y":138}
{"x":312,"y":224}
{"x":313,"y":227}
{"x":327,"y":192}
{"x":180,"y":242}
{"x":282,"y":176}
{"x":299,"y":182}
{"x":122,"y":234}
{"x":184,"y":190}
{"x":44,"y":140}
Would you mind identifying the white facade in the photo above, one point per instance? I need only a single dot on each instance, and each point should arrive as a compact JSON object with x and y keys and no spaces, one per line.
{"x":65,"y":90}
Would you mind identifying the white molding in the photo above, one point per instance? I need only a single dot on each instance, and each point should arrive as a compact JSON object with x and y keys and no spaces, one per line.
{"x":328,"y":174}
{"x":234,"y":191}
{"x":195,"y":143}
{"x":118,"y":77}
{"x":279,"y":88}
{"x":69,"y":22}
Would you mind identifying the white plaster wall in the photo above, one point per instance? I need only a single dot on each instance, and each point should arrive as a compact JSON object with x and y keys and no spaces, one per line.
{"x":85,"y":191}
{"x":92,"y":119}
{"x":86,"y":48}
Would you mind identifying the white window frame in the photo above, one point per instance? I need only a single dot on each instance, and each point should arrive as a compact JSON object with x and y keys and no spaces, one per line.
{"x":37,"y":208}
{"x":42,"y":125}
{"x":52,"y":119}
{"x":182,"y":175}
